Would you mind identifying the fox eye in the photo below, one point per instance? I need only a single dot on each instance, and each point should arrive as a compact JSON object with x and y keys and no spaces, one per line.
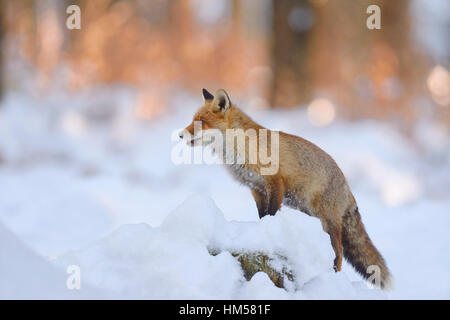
{"x":202,"y":121}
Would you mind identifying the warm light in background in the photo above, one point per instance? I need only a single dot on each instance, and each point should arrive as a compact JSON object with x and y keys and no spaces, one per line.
{"x":321,"y":112}
{"x":266,"y":53}
{"x":438,"y":82}
{"x":149,"y":104}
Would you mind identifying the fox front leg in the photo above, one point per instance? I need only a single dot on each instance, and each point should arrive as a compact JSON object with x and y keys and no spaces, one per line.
{"x":269,"y":202}
{"x":275,"y":194}
{"x":261,"y":202}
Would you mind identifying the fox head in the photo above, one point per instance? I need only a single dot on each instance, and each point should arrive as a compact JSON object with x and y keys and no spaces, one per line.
{"x":212,"y":115}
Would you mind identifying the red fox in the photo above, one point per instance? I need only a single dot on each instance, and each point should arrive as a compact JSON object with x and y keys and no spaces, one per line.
{"x":307,"y":179}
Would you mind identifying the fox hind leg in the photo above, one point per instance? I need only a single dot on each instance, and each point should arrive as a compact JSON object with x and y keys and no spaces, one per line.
{"x":336,"y":242}
{"x":335,"y":232}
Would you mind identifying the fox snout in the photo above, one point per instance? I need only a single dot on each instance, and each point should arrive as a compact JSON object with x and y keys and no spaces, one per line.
{"x":185,"y":135}
{"x":188,"y":137}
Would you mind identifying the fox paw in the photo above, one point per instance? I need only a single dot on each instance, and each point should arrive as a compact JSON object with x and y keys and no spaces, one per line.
{"x":337,"y":267}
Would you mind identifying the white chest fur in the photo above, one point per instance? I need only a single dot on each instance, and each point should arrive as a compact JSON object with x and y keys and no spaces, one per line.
{"x":246,"y":176}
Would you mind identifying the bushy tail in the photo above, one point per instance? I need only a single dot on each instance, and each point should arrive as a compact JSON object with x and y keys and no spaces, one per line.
{"x":360,"y":251}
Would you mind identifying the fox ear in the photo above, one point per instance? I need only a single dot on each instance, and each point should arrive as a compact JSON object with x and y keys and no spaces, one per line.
{"x":222,"y":101}
{"x":206,"y":95}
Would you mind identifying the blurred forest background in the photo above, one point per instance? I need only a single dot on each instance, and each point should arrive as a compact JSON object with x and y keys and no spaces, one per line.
{"x":267,"y":53}
{"x":89,"y":121}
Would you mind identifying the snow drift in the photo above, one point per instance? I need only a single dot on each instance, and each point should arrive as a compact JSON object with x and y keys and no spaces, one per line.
{"x":173,"y":261}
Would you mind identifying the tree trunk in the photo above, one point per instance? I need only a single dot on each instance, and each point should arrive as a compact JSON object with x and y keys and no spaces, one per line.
{"x":276,"y":266}
{"x":366,"y":72}
{"x":292,"y":24}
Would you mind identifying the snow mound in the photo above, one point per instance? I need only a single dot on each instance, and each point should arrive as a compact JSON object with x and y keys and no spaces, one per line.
{"x":173,"y":261}
{"x":25,"y":275}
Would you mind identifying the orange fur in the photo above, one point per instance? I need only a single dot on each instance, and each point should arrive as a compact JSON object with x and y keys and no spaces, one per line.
{"x":308,"y":179}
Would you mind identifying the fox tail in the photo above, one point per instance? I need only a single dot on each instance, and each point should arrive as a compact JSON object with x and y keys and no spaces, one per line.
{"x":360,"y":251}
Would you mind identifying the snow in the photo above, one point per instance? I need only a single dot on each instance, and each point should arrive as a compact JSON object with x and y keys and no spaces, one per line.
{"x":104,"y":194}
{"x":25,"y":275}
{"x":173,"y":261}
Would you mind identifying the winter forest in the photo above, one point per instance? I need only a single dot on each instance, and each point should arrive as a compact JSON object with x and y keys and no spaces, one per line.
{"x":93,"y":94}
